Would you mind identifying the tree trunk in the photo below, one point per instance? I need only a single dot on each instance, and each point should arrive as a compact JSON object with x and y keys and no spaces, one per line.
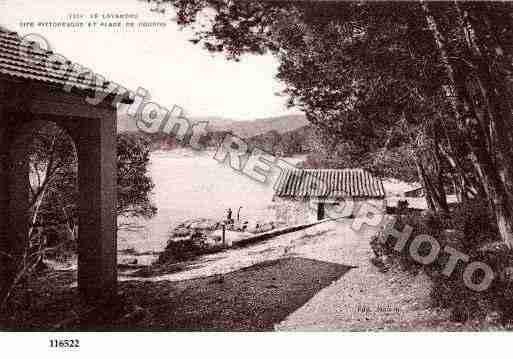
{"x":435,"y":196}
{"x":35,"y":209}
{"x":491,"y":155}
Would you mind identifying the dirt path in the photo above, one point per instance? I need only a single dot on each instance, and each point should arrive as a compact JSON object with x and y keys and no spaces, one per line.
{"x":365,"y":298}
{"x":316,"y":279}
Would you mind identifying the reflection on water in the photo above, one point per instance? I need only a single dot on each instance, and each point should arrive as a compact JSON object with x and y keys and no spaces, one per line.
{"x":194,"y":185}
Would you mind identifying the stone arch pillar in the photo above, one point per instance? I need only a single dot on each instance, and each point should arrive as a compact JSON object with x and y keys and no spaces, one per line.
{"x":95,"y":140}
{"x":14,"y":204}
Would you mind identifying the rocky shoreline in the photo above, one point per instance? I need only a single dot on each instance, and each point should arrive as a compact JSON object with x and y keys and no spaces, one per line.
{"x":200,"y":236}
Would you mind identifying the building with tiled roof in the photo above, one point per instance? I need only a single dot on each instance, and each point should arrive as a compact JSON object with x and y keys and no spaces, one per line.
{"x":327,"y":192}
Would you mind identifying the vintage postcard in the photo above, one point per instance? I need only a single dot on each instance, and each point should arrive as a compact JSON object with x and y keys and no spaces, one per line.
{"x":255,"y":166}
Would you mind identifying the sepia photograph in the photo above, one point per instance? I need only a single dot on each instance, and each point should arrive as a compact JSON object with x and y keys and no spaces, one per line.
{"x":255,"y":166}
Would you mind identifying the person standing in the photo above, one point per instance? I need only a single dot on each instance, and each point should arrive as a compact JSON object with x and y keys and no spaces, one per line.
{"x":229,"y":216}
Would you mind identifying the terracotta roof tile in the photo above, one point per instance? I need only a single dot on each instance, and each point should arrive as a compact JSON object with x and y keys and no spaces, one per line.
{"x":351,"y":182}
{"x":18,"y":60}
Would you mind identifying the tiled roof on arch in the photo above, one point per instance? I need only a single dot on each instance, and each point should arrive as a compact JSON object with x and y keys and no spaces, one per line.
{"x":355,"y":183}
{"x":21,"y":61}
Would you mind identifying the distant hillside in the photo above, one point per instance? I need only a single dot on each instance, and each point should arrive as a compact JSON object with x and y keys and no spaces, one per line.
{"x":243,"y":129}
{"x":293,"y":142}
{"x":256,"y":127}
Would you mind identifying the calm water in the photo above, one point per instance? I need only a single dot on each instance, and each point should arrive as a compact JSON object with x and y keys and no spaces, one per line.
{"x":194,"y":185}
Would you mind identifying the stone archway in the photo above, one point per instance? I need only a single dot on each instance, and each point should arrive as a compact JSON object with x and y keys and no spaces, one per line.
{"x":93,"y":129}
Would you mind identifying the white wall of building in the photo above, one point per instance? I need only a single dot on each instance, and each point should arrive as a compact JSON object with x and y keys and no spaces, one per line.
{"x":296,"y":211}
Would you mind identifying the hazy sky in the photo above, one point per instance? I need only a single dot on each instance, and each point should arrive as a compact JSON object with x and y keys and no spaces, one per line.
{"x":160,"y":59}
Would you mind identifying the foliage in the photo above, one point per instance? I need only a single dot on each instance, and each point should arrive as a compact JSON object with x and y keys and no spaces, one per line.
{"x":179,"y":250}
{"x":385,"y":163}
{"x":475,"y":221}
{"x":392,"y":163}
{"x":54,"y":186}
{"x":285,"y":144}
{"x":469,"y":230}
{"x":134,"y":185}
{"x":53,"y":175}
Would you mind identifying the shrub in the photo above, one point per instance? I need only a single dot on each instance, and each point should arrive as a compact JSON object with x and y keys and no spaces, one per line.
{"x":186,"y":249}
{"x":421,"y":223}
{"x":476,"y":222}
{"x":469,"y":228}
